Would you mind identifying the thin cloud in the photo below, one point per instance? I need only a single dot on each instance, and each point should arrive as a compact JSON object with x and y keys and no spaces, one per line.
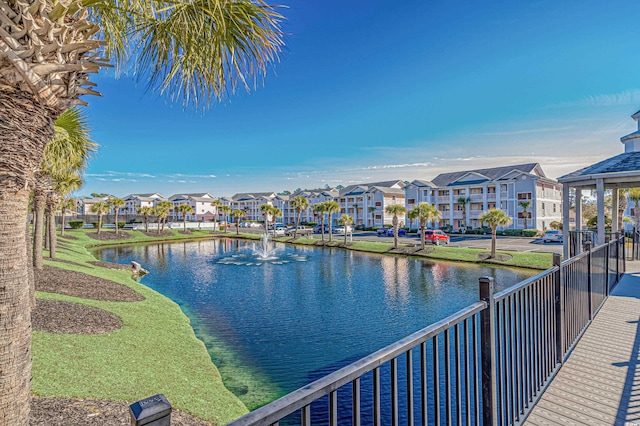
{"x":628,"y":97}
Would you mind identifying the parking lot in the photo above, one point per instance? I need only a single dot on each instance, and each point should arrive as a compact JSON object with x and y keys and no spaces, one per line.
{"x":521,"y":244}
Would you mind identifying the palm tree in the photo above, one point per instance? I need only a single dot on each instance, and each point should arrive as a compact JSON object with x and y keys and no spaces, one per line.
{"x":395,"y":210}
{"x":275,"y":213}
{"x":464,"y":201}
{"x":238,"y":214}
{"x":65,"y":187}
{"x":299,"y":204}
{"x":266,"y":211}
{"x":355,"y":213}
{"x":100,"y":208}
{"x":525,"y":205}
{"x":66,"y":204}
{"x":331,"y":208}
{"x":146,"y":211}
{"x":321,"y":209}
{"x":634,"y":196}
{"x":164,"y":208}
{"x":226,"y":210}
{"x":216,"y":204}
{"x":191,"y":50}
{"x":425,"y":213}
{"x":158,"y":211}
{"x":346,"y":221}
{"x":116,"y":203}
{"x":372,"y":211}
{"x":495,"y":218}
{"x":184,"y":209}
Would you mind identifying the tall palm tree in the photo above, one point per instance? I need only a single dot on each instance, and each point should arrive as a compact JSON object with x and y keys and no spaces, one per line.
{"x":100,"y":208}
{"x":525,"y":205}
{"x":321,"y":209}
{"x":146,"y":211}
{"x":164,"y":208}
{"x":216,"y":204}
{"x":372,"y":212}
{"x":464,"y":201}
{"x":299,"y":204}
{"x":158,"y":211}
{"x":331,"y":208}
{"x":238,"y":214}
{"x":194,"y":51}
{"x":266,"y":211}
{"x":395,"y":210}
{"x":65,"y":187}
{"x":275,"y":213}
{"x":226,"y":210}
{"x":424,"y":213}
{"x":495,"y":218}
{"x":116,"y":203}
{"x":184,"y":209}
{"x":346,"y":221}
{"x":355,"y":213}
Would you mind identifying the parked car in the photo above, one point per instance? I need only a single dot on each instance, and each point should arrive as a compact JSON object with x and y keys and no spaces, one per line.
{"x":302,"y":230}
{"x":318,"y":229}
{"x":383,"y":231}
{"x":341,"y":230}
{"x":436,"y":236}
{"x":552,"y":236}
{"x":401,"y":232}
{"x":279,"y":231}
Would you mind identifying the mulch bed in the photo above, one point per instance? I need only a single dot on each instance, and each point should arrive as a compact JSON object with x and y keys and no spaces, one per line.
{"x":499,"y":257}
{"x":92,"y":412}
{"x":71,"y":283}
{"x":158,"y":234}
{"x":110,"y":235}
{"x":56,"y":316}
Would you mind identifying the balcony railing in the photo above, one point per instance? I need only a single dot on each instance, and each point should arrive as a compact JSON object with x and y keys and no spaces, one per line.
{"x":487,"y":364}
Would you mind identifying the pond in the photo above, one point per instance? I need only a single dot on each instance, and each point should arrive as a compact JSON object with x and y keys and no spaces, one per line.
{"x":274,"y":324}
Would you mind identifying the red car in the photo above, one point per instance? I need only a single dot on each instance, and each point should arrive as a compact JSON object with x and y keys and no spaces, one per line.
{"x":436,"y":236}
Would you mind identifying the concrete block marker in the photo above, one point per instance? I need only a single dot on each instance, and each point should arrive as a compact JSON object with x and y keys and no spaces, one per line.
{"x":152,"y":411}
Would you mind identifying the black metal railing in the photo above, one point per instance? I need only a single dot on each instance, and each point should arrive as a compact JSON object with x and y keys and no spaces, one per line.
{"x":487,"y":364}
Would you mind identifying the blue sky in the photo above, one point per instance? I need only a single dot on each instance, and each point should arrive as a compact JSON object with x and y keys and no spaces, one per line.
{"x":372,"y":90}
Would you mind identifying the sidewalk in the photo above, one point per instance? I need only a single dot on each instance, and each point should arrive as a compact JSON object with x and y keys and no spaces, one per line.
{"x":600,"y":382}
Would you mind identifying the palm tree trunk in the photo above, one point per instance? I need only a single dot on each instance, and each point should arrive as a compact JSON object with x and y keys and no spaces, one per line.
{"x":395,"y":231}
{"x":422,"y":235}
{"x":32,"y":281}
{"x":46,"y":228}
{"x":51,"y":223}
{"x":38,"y":227}
{"x":494,"y":236}
{"x":99,"y":223}
{"x":63,"y":212}
{"x":295,"y":231}
{"x":25,"y":128}
{"x":116,"y":217}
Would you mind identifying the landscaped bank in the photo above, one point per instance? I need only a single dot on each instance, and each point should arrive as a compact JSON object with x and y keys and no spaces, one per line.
{"x":154,"y":351}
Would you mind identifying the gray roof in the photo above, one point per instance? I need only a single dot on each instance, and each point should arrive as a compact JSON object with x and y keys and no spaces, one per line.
{"x":252,"y":195}
{"x":353,"y":189}
{"x":627,"y":162}
{"x":386,"y":190}
{"x":422,"y":183}
{"x":446,"y":179}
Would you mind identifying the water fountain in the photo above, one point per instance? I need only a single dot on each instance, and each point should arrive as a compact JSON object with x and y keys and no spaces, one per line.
{"x":262,"y":253}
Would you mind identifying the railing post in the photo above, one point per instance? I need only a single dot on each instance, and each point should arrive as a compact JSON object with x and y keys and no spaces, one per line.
{"x":606,"y":269}
{"x":559,"y":300}
{"x":488,"y":353}
{"x":588,"y":250}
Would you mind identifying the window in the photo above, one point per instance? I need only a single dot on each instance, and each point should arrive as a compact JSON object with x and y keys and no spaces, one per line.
{"x":503,"y":187}
{"x":524,"y":195}
{"x":378,"y":217}
{"x":491,"y":190}
{"x":378,"y":204}
{"x":521,"y":215}
{"x":411,"y":201}
{"x":554,"y":208}
{"x":543,"y":206}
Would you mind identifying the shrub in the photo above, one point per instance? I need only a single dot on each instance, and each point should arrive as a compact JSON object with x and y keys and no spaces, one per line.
{"x":512,"y":232}
{"x":530,"y":232}
{"x":94,"y":224}
{"x":120,"y":224}
{"x":76,"y":224}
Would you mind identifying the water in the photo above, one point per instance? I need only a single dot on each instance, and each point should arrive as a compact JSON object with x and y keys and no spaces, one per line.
{"x":274,"y":327}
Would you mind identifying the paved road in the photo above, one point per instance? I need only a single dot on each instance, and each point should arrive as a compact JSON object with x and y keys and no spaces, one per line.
{"x":520,"y":244}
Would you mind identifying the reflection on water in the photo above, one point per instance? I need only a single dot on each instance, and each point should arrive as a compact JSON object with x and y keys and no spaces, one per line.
{"x":269,"y":328}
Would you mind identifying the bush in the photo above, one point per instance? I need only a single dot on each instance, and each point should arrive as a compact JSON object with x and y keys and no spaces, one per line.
{"x":76,"y":224}
{"x":120,"y":225}
{"x":512,"y":232}
{"x":95,"y":224}
{"x":530,"y":232}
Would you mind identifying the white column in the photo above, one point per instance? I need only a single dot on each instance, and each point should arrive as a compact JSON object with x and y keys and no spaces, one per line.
{"x":600,"y":204}
{"x":578,"y":209}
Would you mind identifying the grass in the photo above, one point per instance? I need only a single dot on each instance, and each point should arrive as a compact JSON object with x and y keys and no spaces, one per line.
{"x":155,"y":351}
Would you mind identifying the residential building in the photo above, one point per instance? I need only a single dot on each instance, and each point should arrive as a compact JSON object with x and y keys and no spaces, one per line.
{"x":133,"y":202}
{"x":251,"y":202}
{"x":203,"y":210}
{"x":462,"y":197}
{"x":85,"y":204}
{"x":366,"y":202}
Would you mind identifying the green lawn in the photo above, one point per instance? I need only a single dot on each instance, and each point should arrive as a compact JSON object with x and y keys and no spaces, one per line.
{"x":155,"y":351}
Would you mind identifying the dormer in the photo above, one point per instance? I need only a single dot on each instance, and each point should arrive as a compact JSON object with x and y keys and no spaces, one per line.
{"x":632,"y":140}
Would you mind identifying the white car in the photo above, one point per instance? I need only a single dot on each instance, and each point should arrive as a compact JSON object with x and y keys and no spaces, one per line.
{"x":552,"y":236}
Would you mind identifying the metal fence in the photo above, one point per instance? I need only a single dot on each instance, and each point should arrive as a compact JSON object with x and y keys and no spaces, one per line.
{"x":487,"y":364}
